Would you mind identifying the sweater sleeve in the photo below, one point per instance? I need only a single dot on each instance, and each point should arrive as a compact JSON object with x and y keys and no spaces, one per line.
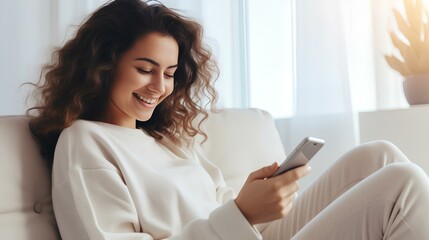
{"x":95,"y":203}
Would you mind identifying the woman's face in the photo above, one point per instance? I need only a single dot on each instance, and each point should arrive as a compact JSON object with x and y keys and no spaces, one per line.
{"x":144,"y":77}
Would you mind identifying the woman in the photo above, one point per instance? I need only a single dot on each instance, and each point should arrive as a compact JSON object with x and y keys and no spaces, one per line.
{"x":115,"y":116}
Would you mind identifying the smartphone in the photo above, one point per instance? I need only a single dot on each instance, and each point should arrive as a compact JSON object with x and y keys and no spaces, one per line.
{"x":300,"y":156}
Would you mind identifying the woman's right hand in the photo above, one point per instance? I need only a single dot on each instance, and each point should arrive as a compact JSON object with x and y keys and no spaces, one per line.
{"x":264,"y":199}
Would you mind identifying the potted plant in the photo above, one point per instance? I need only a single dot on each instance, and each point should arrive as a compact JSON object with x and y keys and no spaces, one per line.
{"x":412,"y":42}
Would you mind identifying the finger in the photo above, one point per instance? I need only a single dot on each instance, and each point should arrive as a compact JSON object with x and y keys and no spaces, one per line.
{"x":296,"y":173}
{"x":286,"y":205}
{"x":291,"y":197}
{"x":288,"y":190}
{"x":285,"y":201}
{"x":287,"y":209}
{"x":263,"y":172}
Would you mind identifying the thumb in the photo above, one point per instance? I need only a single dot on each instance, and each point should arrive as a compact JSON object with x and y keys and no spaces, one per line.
{"x":263,"y":172}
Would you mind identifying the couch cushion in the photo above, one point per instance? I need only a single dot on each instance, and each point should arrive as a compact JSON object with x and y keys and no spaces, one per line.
{"x":26,"y":207}
{"x":241,"y":141}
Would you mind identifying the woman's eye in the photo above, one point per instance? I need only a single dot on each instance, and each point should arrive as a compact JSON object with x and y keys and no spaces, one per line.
{"x":169,"y":76}
{"x":143,"y":71}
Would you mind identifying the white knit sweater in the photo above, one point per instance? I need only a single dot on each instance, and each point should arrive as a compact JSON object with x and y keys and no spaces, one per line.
{"x":112,"y":182}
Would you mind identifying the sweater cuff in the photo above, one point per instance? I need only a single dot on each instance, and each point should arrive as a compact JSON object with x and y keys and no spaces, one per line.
{"x":230,"y":223}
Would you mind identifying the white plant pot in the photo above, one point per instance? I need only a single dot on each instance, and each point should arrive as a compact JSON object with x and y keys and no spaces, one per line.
{"x":416,"y":89}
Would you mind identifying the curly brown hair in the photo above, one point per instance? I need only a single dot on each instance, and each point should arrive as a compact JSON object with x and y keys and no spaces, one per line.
{"x":78,"y":80}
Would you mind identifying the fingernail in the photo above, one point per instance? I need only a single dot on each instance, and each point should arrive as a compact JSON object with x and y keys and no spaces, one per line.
{"x":274,"y":165}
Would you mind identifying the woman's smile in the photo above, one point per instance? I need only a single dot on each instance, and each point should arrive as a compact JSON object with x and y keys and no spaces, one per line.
{"x":148,"y":101}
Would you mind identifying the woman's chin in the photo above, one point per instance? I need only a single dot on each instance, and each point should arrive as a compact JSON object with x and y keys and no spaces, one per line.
{"x":144,"y":117}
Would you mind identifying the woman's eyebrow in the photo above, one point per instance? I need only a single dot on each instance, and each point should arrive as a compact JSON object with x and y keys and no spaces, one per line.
{"x":153,"y":62}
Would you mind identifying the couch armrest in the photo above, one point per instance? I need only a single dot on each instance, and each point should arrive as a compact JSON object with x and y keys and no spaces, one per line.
{"x":26,"y":209}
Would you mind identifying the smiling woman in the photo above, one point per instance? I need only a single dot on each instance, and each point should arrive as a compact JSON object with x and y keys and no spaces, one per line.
{"x":84,"y":81}
{"x":146,"y":72}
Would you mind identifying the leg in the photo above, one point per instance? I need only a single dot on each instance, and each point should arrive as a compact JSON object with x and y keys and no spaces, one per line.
{"x":350,"y":169}
{"x":393,"y":203}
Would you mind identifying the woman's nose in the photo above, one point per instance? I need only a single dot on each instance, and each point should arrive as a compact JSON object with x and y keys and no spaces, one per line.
{"x":157,"y":83}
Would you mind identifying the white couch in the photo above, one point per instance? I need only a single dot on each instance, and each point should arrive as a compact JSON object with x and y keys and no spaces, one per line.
{"x":240,"y":141}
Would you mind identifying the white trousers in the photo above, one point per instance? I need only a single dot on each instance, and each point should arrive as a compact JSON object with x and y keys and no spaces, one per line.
{"x":372,"y":192}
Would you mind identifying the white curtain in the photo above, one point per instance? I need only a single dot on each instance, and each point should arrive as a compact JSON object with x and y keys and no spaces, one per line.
{"x":222,"y":32}
{"x":340,"y":71}
{"x":30,"y":31}
{"x":389,"y":90}
{"x":334,"y":55}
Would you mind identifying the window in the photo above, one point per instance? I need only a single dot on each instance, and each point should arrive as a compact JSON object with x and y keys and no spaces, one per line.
{"x":252,"y":42}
